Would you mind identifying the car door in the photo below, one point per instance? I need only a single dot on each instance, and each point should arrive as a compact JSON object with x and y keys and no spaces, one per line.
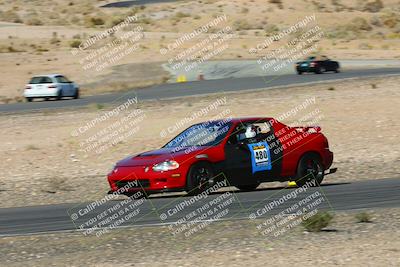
{"x":325,"y":64}
{"x":252,"y":160}
{"x":67,"y":87}
{"x":70,"y":85}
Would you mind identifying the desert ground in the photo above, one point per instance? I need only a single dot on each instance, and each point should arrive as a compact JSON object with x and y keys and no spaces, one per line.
{"x":33,"y":42}
{"x":345,"y":242}
{"x":54,"y":156}
{"x":47,"y":158}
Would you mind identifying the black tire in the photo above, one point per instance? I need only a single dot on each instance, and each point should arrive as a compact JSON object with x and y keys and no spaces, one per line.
{"x":59,"y":95}
{"x":28,"y":99}
{"x":318,"y":70}
{"x":310,"y":168}
{"x":46,"y":98}
{"x":299,"y":72}
{"x":76,"y":95}
{"x":198,"y":178}
{"x":247,"y":187}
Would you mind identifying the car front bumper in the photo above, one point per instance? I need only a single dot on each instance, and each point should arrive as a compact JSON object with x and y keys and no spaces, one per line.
{"x":141,"y":178}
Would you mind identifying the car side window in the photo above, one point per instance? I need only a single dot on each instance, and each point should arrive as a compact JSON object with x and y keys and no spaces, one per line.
{"x":264,"y":132}
{"x":62,"y":79}
{"x":262,"y":129}
{"x":46,"y":80}
{"x":233,"y":138}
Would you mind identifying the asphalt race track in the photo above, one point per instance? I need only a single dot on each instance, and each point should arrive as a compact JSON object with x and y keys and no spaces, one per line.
{"x":175,"y":90}
{"x":338,"y":197}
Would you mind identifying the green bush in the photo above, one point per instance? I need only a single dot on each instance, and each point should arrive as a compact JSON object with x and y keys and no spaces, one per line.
{"x":363,"y":217}
{"x":241,"y":24}
{"x":182,"y":15}
{"x":317,"y":222}
{"x":271,"y":28}
{"x":94,"y":21}
{"x":75,"y":43}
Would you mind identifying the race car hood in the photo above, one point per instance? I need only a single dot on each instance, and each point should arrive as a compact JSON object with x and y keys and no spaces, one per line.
{"x":157,"y":156}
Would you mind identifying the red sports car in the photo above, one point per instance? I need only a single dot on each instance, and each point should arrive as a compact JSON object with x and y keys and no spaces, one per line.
{"x":243,"y":152}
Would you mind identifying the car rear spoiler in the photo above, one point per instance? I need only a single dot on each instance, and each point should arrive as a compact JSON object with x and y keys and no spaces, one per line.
{"x":310,"y":129}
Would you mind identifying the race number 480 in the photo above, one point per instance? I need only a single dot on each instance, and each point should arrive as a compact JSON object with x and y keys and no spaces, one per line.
{"x":260,"y":154}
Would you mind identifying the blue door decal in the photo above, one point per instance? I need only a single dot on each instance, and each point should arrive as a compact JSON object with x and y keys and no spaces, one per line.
{"x":260,"y":157}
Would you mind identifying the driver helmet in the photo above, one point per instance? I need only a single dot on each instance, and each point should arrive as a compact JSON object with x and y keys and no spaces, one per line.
{"x":251,"y":131}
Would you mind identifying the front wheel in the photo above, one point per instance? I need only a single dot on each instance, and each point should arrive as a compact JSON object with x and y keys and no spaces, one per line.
{"x":310,"y":170}
{"x":247,"y":187}
{"x":59,"y":95}
{"x":199,"y":178}
{"x":320,"y":70}
{"x":28,"y":99}
{"x":76,"y":95}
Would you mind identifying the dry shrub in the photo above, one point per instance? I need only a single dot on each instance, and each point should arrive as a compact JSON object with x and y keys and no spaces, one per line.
{"x":359,"y":23}
{"x":317,"y":222}
{"x":10,"y":16}
{"x":374,"y":6}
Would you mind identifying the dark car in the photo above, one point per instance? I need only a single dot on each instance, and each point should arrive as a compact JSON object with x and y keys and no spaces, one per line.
{"x":244,"y":152}
{"x":317,"y":65}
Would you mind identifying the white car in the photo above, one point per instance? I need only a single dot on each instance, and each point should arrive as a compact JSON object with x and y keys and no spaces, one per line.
{"x":52,"y":85}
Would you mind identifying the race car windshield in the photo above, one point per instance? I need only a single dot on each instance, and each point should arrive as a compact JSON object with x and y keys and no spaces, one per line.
{"x":202,"y":134}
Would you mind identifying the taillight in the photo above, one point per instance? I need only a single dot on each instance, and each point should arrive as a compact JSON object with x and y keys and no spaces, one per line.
{"x":28,"y":87}
{"x":52,"y":86}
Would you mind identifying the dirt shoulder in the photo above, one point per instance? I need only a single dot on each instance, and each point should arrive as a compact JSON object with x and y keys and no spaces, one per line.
{"x":45,"y":160}
{"x":237,"y":243}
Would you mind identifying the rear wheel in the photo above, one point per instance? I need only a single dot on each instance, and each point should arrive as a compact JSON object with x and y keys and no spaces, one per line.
{"x":28,"y":99}
{"x":199,"y":178}
{"x":247,"y":187}
{"x":299,"y":72}
{"x":310,"y":170}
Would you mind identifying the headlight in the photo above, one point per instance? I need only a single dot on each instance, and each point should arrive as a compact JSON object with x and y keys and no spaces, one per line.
{"x":167,"y":165}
